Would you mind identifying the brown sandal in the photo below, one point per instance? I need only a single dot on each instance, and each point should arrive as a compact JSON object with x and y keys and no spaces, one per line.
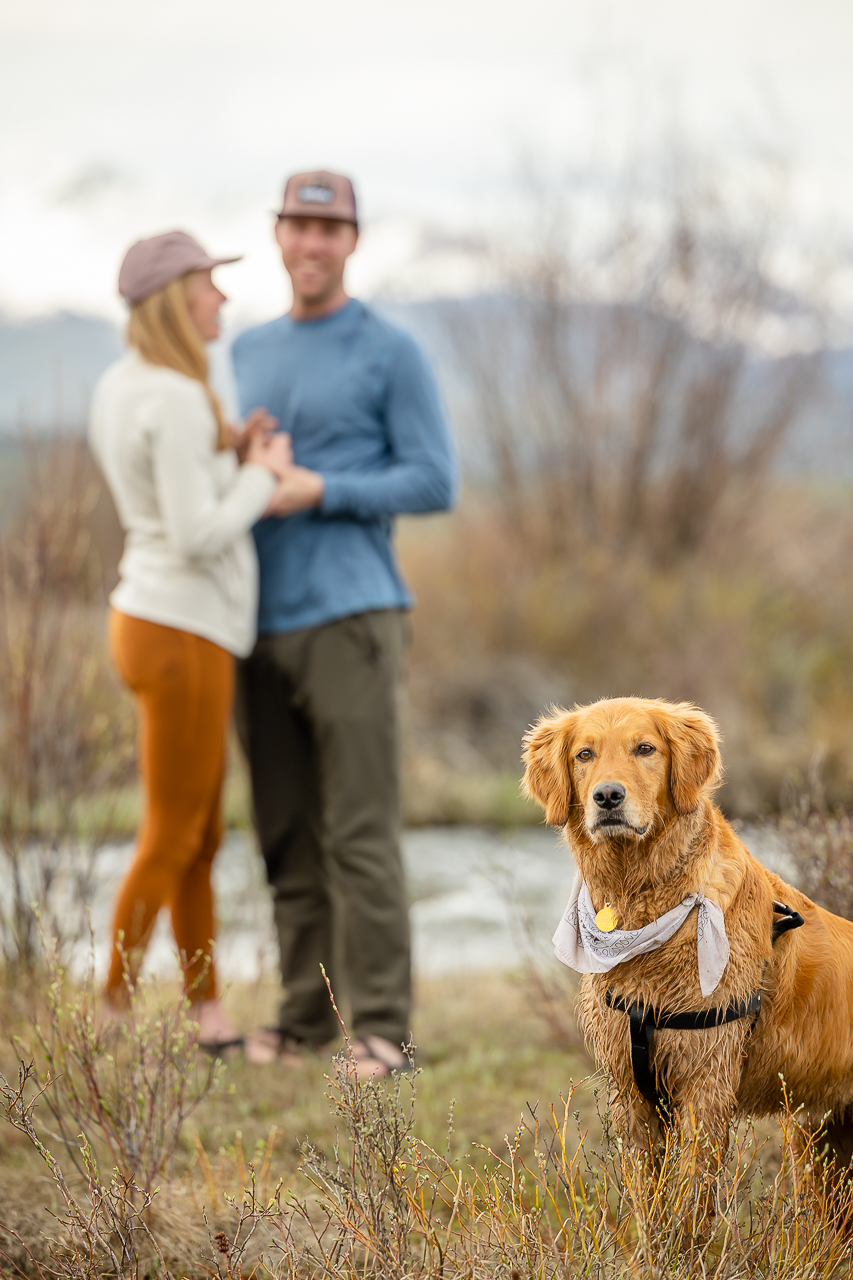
{"x":224,"y":1049}
{"x":377,"y":1058}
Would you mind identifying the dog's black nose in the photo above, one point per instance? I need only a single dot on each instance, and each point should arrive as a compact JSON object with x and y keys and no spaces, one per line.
{"x":608,"y":795}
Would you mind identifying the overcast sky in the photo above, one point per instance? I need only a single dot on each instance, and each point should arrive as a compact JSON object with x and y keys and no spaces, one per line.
{"x":122,"y":118}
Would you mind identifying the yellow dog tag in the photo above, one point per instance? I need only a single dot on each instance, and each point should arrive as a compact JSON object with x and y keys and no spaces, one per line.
{"x":606,"y":919}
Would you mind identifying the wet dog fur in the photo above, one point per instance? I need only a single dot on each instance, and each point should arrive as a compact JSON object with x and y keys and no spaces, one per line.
{"x":665,"y":840}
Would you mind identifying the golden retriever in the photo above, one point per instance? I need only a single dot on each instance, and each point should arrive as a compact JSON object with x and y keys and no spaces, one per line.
{"x":630,"y":781}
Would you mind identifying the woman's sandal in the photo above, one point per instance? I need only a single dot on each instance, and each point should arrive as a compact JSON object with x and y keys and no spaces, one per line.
{"x":377,"y":1058}
{"x":224,"y":1049}
{"x":217,"y":1034}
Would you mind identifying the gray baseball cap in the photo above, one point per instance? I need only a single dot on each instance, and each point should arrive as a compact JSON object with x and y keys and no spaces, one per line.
{"x":319,"y":194}
{"x":151,"y":264}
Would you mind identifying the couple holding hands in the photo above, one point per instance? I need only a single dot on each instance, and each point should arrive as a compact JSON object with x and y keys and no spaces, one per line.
{"x":271,"y":545}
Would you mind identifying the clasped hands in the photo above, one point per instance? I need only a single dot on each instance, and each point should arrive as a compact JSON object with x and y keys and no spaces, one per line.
{"x":298,"y":488}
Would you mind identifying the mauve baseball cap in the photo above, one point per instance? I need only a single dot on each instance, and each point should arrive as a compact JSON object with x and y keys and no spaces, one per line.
{"x":319,"y":194}
{"x":151,"y":264}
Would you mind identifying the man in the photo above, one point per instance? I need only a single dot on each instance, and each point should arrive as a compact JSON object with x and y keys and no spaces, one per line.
{"x":318,"y":697}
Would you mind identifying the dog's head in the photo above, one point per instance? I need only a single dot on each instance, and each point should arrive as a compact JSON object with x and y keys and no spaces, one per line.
{"x":621,"y":767}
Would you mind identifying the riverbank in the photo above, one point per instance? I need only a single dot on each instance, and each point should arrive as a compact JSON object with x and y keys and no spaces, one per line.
{"x":434,"y":794}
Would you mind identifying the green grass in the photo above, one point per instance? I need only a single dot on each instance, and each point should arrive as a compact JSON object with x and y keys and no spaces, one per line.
{"x":432,"y":796}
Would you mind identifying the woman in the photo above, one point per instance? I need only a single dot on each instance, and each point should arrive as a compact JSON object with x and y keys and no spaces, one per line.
{"x":187,"y":596}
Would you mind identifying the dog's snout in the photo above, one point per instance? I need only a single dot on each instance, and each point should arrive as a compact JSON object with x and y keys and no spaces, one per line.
{"x":608,"y":795}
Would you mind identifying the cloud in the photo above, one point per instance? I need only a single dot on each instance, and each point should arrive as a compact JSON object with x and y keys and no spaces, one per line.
{"x":122,"y":119}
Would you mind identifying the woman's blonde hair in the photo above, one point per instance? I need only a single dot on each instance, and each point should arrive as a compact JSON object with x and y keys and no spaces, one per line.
{"x":161,"y":329}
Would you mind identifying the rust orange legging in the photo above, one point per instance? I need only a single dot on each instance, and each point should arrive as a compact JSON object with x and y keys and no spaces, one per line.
{"x":184,"y":688}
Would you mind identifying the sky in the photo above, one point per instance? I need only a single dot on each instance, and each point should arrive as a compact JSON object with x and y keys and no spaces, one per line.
{"x":120,"y":120}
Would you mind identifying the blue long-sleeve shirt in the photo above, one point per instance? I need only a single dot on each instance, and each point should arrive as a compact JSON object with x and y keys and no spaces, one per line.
{"x":361,"y":404}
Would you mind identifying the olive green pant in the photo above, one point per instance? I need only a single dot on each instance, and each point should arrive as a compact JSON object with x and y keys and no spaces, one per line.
{"x":318,"y":718}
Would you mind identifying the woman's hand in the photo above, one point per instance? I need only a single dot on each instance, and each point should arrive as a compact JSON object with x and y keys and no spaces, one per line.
{"x":258,"y":424}
{"x":273,"y":451}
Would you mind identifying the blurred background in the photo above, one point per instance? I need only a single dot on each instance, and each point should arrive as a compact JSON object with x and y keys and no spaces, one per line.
{"x":622,"y":232}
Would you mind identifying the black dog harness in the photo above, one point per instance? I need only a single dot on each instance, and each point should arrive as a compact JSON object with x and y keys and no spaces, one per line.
{"x":644,"y":1021}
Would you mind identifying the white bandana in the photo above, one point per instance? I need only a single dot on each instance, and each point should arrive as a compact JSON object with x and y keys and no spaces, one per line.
{"x":581,"y":945}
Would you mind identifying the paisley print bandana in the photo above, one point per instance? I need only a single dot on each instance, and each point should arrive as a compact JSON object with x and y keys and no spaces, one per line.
{"x":581,"y":945}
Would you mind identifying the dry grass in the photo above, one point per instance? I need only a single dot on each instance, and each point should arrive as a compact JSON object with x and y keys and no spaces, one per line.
{"x":480,"y":1046}
{"x":758,"y":633}
{"x":491,"y":1162}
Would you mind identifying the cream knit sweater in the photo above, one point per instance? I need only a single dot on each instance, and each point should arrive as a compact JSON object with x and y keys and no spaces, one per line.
{"x":189,"y":560}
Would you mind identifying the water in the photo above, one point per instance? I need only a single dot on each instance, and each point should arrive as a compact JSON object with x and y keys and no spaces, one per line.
{"x":474,"y":893}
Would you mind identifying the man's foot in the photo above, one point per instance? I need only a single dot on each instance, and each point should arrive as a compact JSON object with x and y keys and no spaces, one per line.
{"x":266,"y":1045}
{"x":216,"y":1032}
{"x":376,"y":1058}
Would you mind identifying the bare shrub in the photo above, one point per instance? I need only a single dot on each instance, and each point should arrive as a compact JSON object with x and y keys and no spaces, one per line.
{"x":227,"y":1255}
{"x":128,"y":1087}
{"x":99,"y":1229}
{"x":630,"y":397}
{"x":618,"y":387}
{"x":365,"y":1183}
{"x":819,"y":841}
{"x":552,"y":1203}
{"x":118,"y":1096}
{"x":760,"y":637}
{"x":65,"y":729}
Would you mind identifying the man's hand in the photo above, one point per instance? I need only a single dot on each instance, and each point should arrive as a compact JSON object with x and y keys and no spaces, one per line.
{"x":298,"y":490}
{"x":273,"y":451}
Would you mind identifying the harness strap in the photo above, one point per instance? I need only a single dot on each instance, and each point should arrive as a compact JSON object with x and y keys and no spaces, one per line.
{"x":792,"y":920}
{"x":642,"y":1029}
{"x":699,"y":1020}
{"x":643,"y":1021}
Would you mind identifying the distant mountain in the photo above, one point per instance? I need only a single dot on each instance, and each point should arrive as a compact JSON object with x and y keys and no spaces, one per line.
{"x":826,"y":428}
{"x":49,"y":366}
{"x":819,"y":440}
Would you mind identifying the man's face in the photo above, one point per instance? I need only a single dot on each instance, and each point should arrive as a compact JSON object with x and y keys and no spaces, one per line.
{"x":314,"y":252}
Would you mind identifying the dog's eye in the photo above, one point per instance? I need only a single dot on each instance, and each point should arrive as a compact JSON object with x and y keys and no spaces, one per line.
{"x":645,"y":749}
{"x":585,"y":754}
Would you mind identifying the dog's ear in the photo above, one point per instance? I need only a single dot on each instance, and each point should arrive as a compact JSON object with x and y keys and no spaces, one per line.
{"x":696,"y":764}
{"x":547,"y":776}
